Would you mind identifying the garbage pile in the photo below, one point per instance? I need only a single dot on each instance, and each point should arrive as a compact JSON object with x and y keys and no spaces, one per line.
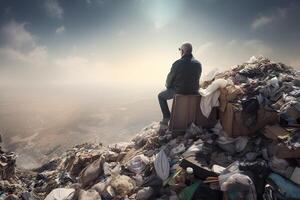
{"x":252,"y":152}
{"x":8,"y":181}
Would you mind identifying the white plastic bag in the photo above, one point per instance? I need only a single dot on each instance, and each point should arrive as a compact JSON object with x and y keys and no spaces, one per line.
{"x":61,"y":194}
{"x":162,"y":165}
{"x":138,"y":163}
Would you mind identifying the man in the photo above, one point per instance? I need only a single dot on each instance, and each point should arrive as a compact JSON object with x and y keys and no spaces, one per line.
{"x":182,"y":79}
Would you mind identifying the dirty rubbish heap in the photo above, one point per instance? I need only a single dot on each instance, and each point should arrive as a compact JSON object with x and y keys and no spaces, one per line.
{"x":252,"y":151}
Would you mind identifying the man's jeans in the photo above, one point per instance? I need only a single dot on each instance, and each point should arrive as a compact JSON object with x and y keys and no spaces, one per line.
{"x":163,"y":97}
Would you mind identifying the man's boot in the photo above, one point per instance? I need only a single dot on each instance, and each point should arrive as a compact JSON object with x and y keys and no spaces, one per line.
{"x":165,"y":121}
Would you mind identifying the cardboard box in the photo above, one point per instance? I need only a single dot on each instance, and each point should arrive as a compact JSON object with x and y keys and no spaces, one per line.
{"x":200,"y":171}
{"x":276,"y":132}
{"x":282,"y":151}
{"x":233,"y":122}
{"x":186,"y":110}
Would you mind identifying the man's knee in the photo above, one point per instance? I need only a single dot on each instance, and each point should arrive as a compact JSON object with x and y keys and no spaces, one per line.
{"x":164,"y":95}
{"x":161,"y":95}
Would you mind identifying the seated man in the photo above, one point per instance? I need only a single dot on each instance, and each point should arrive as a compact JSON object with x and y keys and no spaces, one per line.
{"x":182,"y":79}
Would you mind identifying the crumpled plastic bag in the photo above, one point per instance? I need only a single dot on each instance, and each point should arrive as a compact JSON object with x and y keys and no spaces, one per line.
{"x":196,"y":147}
{"x":91,"y":172}
{"x":280,"y":166}
{"x":241,"y":143}
{"x":89,"y":195}
{"x":144,"y":194}
{"x":239,"y":185}
{"x":138,"y":163}
{"x":61,"y":194}
{"x":162,"y":165}
{"x":192,"y":131}
{"x":100,"y":187}
{"x":178,"y":149}
{"x":232,"y":145}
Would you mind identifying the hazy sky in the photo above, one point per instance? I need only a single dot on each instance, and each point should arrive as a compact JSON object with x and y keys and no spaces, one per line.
{"x":134,"y":42}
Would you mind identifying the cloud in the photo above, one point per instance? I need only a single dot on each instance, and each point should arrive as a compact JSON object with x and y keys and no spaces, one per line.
{"x":122,"y":33}
{"x":79,"y":69}
{"x":60,"y":30}
{"x":223,"y":54}
{"x":71,"y":61}
{"x":54,"y":9}
{"x":261,"y":21}
{"x":7,"y":11}
{"x":23,"y":59}
{"x":161,"y":13}
{"x":257,"y":47}
{"x":232,"y":42}
{"x":20,"y":45}
{"x":100,"y":2}
{"x":204,"y":48}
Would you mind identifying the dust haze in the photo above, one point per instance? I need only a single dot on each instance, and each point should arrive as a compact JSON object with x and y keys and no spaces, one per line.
{"x":41,"y":122}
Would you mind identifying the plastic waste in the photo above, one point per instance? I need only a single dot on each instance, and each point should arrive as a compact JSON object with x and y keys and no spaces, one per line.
{"x":286,"y":187}
{"x":215,"y":85}
{"x":280,"y":166}
{"x":138,"y":163}
{"x":192,"y":131}
{"x":240,"y":143}
{"x":89,"y":195}
{"x":232,"y":145}
{"x":91,"y":172}
{"x":100,"y":187}
{"x":239,"y":186}
{"x":188,"y":192}
{"x":161,"y":165}
{"x":61,"y":194}
{"x":144,"y":194}
{"x":178,"y":149}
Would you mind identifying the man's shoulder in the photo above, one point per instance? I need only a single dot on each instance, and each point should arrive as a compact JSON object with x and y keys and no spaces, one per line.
{"x":182,"y":61}
{"x":177,"y":63}
{"x":195,"y":61}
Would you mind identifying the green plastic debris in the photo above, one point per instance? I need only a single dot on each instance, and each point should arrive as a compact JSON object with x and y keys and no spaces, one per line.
{"x":188,"y":192}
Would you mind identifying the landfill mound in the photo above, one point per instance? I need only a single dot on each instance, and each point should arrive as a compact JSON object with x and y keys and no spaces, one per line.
{"x":252,"y":152}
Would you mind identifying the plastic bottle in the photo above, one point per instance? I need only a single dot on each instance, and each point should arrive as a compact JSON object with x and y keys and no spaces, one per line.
{"x":190,"y":178}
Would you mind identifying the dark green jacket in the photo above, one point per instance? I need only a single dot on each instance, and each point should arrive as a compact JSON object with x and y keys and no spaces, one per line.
{"x":185,"y":75}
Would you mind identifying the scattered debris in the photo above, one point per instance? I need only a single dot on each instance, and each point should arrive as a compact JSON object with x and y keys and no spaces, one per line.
{"x":253,"y":152}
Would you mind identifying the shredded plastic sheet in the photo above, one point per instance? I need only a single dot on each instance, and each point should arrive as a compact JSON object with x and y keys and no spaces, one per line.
{"x":61,"y":194}
{"x":161,"y":165}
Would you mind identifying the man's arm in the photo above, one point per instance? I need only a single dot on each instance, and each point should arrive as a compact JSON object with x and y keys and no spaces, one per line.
{"x":170,"y":77}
